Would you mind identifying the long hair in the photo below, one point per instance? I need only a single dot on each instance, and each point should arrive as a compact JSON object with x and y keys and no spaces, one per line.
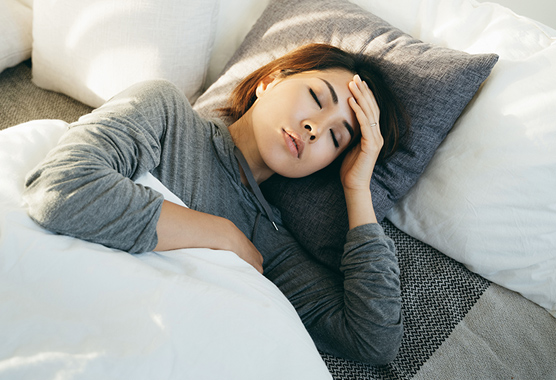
{"x":326,"y":57}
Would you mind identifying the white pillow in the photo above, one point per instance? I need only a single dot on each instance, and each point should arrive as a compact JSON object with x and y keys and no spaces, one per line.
{"x":28,"y":3}
{"x":93,"y":49}
{"x":73,"y":309}
{"x":488,"y":198}
{"x":235,"y":19}
{"x":15,"y":33}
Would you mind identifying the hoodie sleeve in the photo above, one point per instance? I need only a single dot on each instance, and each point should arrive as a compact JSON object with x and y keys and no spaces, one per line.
{"x":84,"y":187}
{"x":354,"y":313}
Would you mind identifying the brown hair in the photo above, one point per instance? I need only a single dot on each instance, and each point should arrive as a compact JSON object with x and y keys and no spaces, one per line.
{"x":325,"y":57}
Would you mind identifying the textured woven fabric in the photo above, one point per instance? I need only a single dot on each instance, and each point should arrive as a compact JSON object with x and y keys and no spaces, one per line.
{"x":437,"y":293}
{"x":434,"y":83}
{"x":21,"y":100}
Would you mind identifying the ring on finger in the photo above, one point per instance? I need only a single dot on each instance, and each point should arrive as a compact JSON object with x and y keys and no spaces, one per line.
{"x":374,"y":124}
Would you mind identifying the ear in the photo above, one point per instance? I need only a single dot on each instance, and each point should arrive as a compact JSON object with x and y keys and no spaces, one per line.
{"x":267,"y":83}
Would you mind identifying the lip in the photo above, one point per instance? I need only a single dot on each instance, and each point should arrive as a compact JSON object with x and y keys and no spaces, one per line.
{"x":294,"y":143}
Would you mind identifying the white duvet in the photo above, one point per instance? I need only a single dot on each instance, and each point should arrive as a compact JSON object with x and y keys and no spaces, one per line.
{"x":76,"y":310}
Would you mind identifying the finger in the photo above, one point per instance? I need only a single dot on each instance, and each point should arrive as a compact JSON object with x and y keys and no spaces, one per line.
{"x":366,"y":115}
{"x":257,"y":260}
{"x":260,"y":263}
{"x":366,"y":123}
{"x":365,"y":98}
{"x":360,"y":97}
{"x":360,"y":115}
{"x":370,"y":134}
{"x":256,"y":263}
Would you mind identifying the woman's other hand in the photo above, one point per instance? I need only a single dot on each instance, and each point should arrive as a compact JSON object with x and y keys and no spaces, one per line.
{"x":358,"y":165}
{"x":181,"y":227}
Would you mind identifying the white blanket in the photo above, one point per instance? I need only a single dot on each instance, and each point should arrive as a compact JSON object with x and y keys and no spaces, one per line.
{"x":76,"y":310}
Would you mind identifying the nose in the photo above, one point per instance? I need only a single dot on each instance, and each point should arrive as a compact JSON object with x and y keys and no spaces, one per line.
{"x":310,"y":129}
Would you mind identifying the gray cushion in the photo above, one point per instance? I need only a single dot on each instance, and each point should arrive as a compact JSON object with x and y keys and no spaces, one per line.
{"x":434,"y":84}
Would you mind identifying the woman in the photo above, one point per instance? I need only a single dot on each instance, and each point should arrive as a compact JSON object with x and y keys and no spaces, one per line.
{"x":293,"y":117}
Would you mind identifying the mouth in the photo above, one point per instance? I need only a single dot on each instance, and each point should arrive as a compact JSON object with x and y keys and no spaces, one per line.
{"x":294,"y":143}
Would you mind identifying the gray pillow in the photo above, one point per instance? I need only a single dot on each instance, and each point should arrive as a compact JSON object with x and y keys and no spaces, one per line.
{"x":433,"y":83}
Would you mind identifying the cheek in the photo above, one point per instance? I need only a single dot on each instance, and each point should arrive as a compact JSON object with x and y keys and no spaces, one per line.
{"x":324,"y":155}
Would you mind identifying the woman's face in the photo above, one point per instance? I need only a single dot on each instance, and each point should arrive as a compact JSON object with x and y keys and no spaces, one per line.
{"x":303,"y":122}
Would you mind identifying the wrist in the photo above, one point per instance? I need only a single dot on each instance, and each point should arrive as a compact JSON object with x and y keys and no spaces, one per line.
{"x":231,"y":236}
{"x":181,"y":227}
{"x":360,"y":207}
{"x":357,"y":192}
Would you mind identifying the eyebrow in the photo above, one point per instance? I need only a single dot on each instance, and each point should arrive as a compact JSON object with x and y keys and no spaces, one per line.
{"x":349,"y":128}
{"x":332,"y":91}
{"x":335,"y":100}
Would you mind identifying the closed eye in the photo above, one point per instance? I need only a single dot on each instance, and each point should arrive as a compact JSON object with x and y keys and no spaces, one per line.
{"x":315,"y":97}
{"x":334,"y":140}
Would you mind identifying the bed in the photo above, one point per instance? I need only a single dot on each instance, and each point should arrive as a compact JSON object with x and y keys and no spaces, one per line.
{"x":470,"y":203}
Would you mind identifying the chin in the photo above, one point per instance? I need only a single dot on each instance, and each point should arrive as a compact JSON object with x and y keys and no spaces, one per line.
{"x":290,"y":168}
{"x":288,"y":173}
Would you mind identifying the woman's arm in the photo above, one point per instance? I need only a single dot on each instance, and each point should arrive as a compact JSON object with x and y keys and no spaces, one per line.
{"x":84,"y":187}
{"x":358,"y":165}
{"x":181,"y":227}
{"x":354,"y":313}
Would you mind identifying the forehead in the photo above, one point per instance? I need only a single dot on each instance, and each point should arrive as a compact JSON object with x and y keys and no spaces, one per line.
{"x":337,"y":76}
